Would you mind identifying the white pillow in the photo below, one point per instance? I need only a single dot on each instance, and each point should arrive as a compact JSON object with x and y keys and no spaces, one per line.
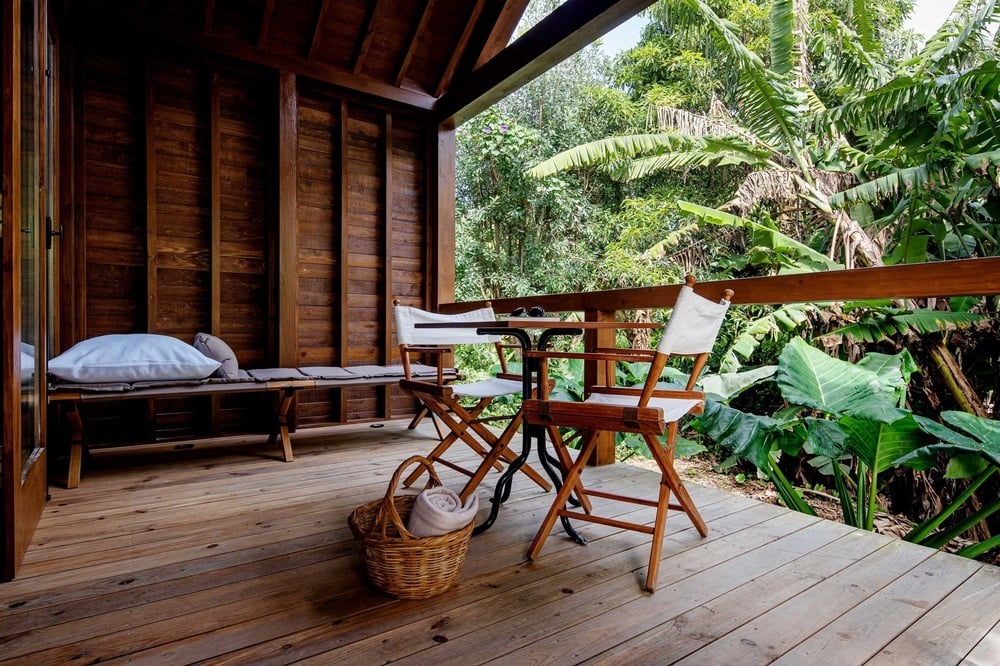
{"x":27,"y":367}
{"x":214,"y":347}
{"x":131,"y":358}
{"x":28,"y":349}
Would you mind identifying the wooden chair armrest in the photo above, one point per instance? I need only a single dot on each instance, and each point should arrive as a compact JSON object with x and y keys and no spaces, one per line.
{"x":632,"y":355}
{"x":657,"y":393}
{"x":417,"y":387}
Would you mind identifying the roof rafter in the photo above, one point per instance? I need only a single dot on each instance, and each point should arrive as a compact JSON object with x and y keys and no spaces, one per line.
{"x":265,"y":23}
{"x":415,"y":38}
{"x":503,"y":29}
{"x":365,"y":36}
{"x":460,"y":49}
{"x":569,"y":28}
{"x":314,"y":41}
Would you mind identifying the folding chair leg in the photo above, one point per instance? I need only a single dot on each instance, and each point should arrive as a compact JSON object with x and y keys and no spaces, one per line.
{"x":659,"y":528}
{"x":587,"y":447}
{"x":566,"y":462}
{"x":664,"y":459}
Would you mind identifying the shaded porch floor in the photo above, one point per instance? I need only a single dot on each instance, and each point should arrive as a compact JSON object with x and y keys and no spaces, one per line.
{"x":227,"y":555}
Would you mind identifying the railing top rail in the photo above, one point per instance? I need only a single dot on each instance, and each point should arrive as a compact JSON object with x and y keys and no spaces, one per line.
{"x":964,"y":277}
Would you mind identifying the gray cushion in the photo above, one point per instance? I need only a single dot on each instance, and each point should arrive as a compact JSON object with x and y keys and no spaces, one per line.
{"x":213,"y":347}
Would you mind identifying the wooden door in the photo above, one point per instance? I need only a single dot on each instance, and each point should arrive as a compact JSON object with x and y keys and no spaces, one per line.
{"x":23,"y":457}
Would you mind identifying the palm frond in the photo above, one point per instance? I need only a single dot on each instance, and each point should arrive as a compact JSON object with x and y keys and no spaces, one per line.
{"x":774,"y":239}
{"x":769,"y":106}
{"x":889,"y":322}
{"x":782,"y":36}
{"x":786,"y":318}
{"x":966,"y":30}
{"x":714,"y":152}
{"x":611,"y":149}
{"x":884,"y":187}
{"x":863,"y":24}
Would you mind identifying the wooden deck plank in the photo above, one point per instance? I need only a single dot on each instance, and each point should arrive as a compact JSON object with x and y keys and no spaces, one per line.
{"x":227,"y":555}
{"x":952,"y":628}
{"x":674,"y":636}
{"x":770,"y":635}
{"x":858,"y":634}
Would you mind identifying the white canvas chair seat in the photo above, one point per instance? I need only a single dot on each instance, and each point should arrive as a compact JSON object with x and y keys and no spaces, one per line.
{"x":444,"y":400}
{"x":691,"y":331}
{"x":673,"y":408}
{"x":488,"y":388}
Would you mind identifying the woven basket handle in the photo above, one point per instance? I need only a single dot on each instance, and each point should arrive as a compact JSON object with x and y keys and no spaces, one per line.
{"x":387,"y":513}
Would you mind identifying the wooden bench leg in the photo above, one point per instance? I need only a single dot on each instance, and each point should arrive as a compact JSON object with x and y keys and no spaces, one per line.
{"x":75,"y":445}
{"x":280,"y":427}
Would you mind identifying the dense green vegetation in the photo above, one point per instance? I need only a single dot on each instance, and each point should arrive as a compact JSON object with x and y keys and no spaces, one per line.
{"x":755,"y":137}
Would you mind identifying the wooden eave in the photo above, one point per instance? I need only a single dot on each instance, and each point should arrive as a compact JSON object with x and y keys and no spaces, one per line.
{"x":569,"y":28}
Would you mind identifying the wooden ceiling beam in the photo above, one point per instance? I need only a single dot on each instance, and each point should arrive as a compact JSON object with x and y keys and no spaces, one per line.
{"x":569,"y":28}
{"x":503,"y":30}
{"x":209,"y":16}
{"x":460,"y":49}
{"x":265,"y":23}
{"x":365,"y":36}
{"x":415,"y":38}
{"x":314,"y":42}
{"x":144,"y":31}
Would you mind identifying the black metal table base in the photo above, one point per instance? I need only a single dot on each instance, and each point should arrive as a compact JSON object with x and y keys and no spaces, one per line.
{"x":503,"y":488}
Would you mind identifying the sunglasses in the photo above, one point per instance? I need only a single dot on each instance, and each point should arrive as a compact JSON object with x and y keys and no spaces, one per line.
{"x":533,"y":311}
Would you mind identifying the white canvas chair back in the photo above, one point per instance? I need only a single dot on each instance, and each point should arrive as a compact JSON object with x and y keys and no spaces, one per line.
{"x":693,"y":325}
{"x":407,"y":334}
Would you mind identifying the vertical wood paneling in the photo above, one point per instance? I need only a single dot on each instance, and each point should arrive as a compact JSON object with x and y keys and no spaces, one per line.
{"x":288,"y":311}
{"x":245,"y":234}
{"x":152,"y":243}
{"x":215,"y":194}
{"x":111,"y":188}
{"x":180,"y":228}
{"x":319,"y":214}
{"x":281,"y":217}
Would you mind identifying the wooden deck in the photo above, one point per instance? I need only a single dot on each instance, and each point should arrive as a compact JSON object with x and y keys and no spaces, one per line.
{"x":231,"y":556}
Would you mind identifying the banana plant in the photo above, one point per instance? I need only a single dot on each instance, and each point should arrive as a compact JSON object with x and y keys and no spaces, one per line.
{"x":973,"y":446}
{"x":834,"y":408}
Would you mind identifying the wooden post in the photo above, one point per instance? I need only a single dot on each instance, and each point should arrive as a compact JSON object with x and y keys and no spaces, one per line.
{"x":598,"y":373}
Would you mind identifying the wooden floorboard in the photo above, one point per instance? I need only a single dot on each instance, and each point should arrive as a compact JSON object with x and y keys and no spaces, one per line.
{"x":228,"y":555}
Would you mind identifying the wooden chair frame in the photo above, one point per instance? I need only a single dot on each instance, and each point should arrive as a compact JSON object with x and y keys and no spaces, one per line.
{"x":642,"y":417}
{"x":441,"y":398}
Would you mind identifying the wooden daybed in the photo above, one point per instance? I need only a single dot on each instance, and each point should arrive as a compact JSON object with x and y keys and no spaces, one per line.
{"x":283,"y":382}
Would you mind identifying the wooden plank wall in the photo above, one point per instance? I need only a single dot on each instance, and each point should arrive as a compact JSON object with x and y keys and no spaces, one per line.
{"x":191,"y":217}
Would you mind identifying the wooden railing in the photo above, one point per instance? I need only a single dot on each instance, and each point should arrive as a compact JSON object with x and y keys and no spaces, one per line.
{"x":966,"y":277}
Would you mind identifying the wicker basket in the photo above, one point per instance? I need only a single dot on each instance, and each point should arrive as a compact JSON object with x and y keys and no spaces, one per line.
{"x":396,"y":561}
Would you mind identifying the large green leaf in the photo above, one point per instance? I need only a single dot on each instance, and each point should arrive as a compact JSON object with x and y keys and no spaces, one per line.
{"x":770,"y":107}
{"x":614,"y":148}
{"x":880,"y":445}
{"x":728,"y":385}
{"x":810,"y":378}
{"x":825,"y":438}
{"x":746,"y":435}
{"x":782,"y":35}
{"x":977,"y":435}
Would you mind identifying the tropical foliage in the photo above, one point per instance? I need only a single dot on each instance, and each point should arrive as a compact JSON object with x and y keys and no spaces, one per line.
{"x":756,"y":137}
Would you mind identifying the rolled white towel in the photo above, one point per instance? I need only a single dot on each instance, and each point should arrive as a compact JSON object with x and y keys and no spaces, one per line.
{"x":439,"y":511}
